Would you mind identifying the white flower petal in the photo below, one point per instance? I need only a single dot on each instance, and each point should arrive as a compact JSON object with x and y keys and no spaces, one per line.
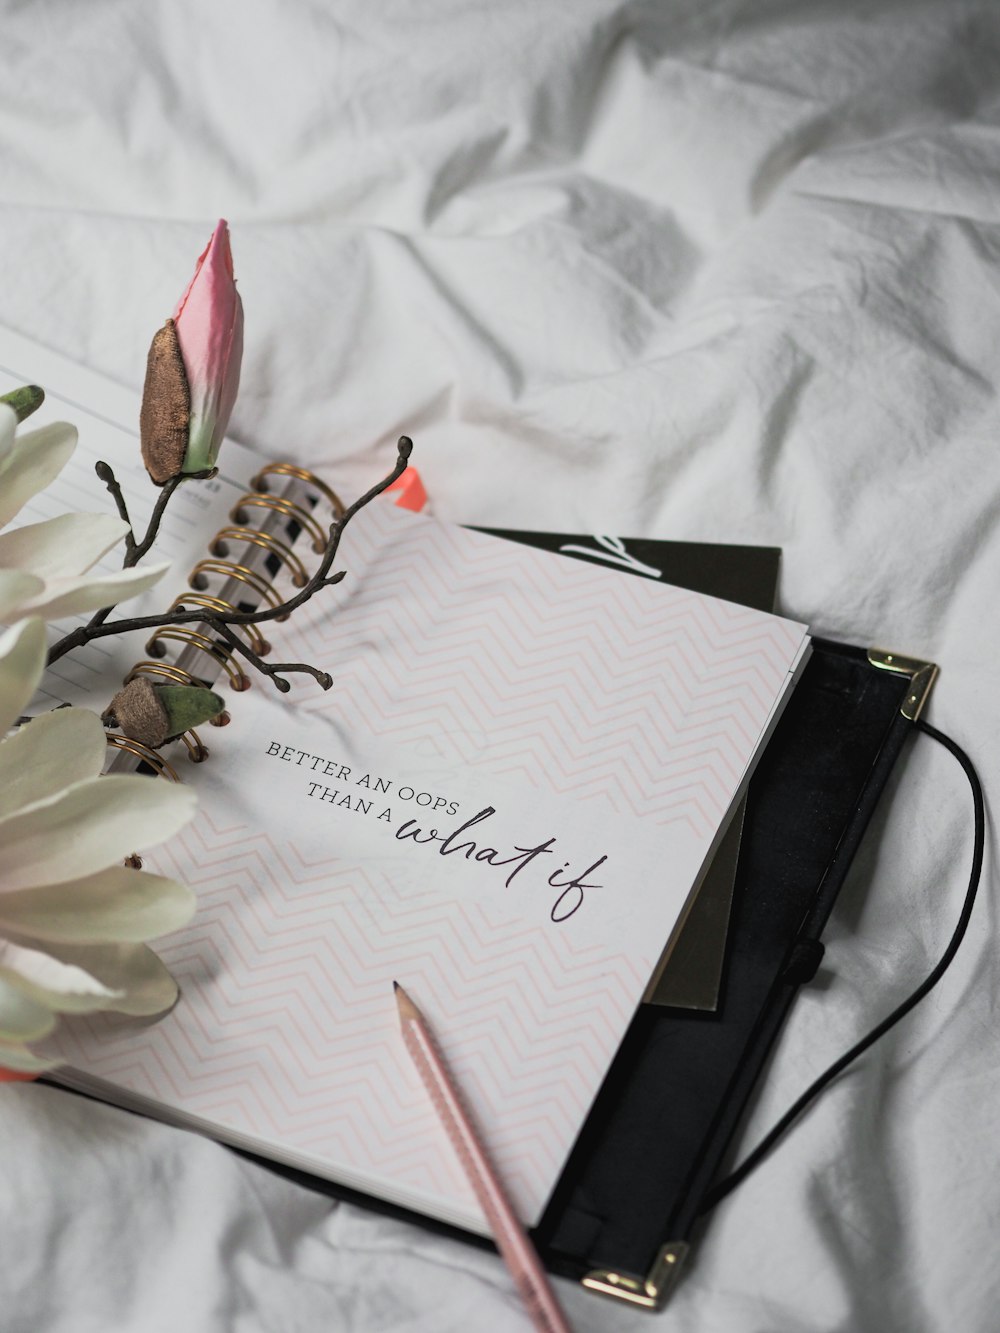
{"x":21,"y":1017}
{"x":67,"y":597}
{"x":22,"y":659}
{"x":48,"y":754}
{"x":130,"y":968}
{"x":60,"y":986}
{"x":61,"y":547}
{"x":88,"y":827}
{"x":118,"y":905}
{"x":8,"y":426}
{"x":15,"y":1056}
{"x":17,"y":588}
{"x":35,"y":460}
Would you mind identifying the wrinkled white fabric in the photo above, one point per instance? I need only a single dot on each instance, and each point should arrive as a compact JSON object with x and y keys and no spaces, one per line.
{"x":722,"y":271}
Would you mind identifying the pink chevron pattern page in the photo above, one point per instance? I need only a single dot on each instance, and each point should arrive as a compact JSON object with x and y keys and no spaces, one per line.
{"x":505,"y":803}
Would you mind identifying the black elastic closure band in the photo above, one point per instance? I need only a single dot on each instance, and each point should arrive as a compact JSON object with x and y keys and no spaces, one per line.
{"x":718,"y":1191}
{"x":803,"y":964}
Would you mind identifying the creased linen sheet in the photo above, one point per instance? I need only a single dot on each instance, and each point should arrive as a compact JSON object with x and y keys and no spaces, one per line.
{"x":718,"y":271}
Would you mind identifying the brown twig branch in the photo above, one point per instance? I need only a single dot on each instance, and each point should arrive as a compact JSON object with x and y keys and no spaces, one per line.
{"x":99,"y":627}
{"x":270,"y":669}
{"x":106,"y":475}
{"x":138,"y":549}
{"x":134,"y":551}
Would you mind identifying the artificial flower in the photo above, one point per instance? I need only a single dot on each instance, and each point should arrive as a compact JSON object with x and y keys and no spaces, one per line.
{"x":155,"y":714}
{"x":73,"y":919}
{"x":24,"y":400}
{"x":44,"y":567}
{"x":193,"y":370}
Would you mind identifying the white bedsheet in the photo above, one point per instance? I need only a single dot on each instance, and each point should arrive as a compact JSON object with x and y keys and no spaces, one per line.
{"x":687,"y":269}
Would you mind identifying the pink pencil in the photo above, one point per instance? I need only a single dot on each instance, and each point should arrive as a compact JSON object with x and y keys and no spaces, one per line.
{"x":511,"y":1239}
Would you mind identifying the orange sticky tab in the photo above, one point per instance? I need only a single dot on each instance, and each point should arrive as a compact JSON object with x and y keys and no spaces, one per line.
{"x":15,"y":1076}
{"x":408,"y":491}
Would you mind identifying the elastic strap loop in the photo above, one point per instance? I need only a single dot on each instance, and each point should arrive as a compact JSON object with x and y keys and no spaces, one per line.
{"x":725,"y":1186}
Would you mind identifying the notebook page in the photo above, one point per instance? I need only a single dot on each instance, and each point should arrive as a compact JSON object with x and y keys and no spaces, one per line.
{"x":504,"y":803}
{"x":107,"y":416}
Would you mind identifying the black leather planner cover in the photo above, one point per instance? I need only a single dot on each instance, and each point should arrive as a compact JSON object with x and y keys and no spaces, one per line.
{"x":673,"y":1098}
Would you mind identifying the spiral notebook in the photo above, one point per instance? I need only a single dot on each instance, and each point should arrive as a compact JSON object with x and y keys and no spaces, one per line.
{"x":506,"y":803}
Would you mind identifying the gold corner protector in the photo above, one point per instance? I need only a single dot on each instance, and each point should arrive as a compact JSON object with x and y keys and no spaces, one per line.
{"x":922,"y":677}
{"x":649,"y":1292}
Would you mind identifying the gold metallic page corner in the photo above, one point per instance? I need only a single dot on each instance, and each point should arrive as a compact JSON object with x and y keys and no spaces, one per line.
{"x":922,"y":677}
{"x":648,"y":1293}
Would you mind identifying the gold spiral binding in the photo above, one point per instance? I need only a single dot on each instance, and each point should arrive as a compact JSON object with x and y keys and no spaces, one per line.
{"x":278,"y":504}
{"x":168,"y":670}
{"x":197,"y":750}
{"x":145,"y":753}
{"x":293,"y":510}
{"x":229,"y":569}
{"x":219,"y":546}
{"x":255,"y":639}
{"x":218,"y":651}
{"x":299,"y":474}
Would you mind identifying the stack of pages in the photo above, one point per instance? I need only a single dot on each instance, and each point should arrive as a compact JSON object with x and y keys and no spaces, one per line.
{"x":506,"y":802}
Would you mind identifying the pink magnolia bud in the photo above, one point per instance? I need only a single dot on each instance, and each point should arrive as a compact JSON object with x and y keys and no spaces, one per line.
{"x":193,"y":371}
{"x":209,"y":323}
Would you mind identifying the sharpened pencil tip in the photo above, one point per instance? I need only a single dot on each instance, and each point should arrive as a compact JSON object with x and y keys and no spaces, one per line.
{"x":407,"y":1009}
